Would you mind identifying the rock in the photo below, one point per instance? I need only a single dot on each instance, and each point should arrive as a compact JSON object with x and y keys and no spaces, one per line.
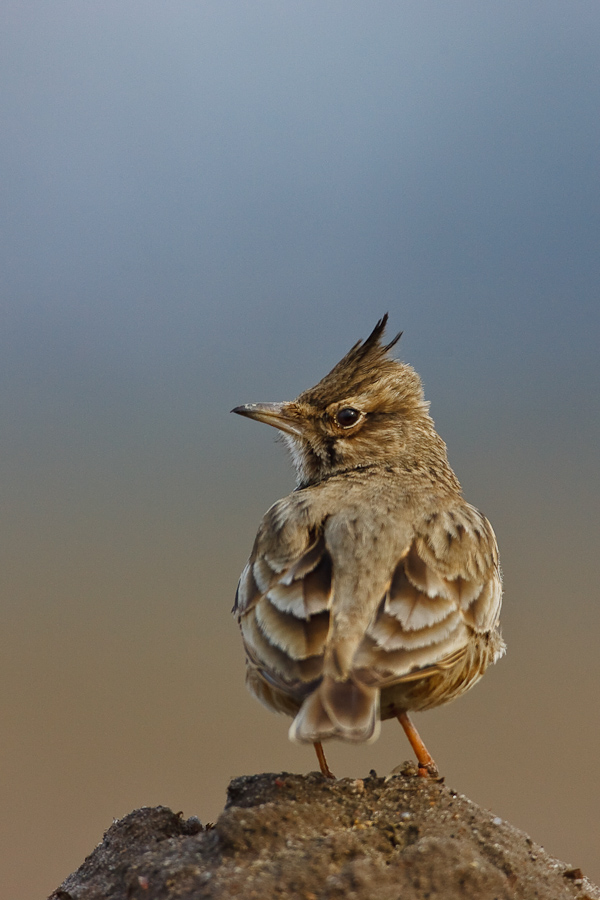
{"x":307,"y":838}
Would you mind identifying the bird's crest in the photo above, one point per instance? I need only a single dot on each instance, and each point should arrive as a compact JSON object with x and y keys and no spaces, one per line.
{"x":362,"y":365}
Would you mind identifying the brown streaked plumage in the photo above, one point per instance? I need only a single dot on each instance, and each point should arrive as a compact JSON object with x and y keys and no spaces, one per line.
{"x":373,"y":589}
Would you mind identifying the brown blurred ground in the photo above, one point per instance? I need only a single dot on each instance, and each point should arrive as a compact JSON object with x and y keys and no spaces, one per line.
{"x":122,"y":671}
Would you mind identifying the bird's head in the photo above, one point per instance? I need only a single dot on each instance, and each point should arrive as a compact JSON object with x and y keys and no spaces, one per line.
{"x":368,"y":410}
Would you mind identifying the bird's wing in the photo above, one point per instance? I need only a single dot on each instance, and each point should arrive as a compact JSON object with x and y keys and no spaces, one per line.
{"x":282,"y":603}
{"x":445,"y":589}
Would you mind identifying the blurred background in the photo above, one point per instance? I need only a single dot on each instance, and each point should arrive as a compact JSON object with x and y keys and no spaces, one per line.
{"x":205,"y":204}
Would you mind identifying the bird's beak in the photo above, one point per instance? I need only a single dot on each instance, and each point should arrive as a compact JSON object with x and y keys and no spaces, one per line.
{"x":277,"y":414}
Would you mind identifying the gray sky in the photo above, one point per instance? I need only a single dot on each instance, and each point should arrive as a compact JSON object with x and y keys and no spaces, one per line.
{"x":205,"y":204}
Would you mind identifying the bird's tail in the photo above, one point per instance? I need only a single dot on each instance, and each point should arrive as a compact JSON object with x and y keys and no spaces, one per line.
{"x":338,"y":709}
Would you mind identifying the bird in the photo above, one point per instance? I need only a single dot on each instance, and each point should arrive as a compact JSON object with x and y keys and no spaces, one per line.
{"x":374,"y":589}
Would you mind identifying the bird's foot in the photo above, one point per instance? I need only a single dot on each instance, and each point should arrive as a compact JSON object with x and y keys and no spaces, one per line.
{"x":325,"y":770}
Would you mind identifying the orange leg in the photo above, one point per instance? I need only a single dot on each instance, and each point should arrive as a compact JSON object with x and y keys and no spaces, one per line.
{"x":426,"y":762}
{"x":322,"y":761}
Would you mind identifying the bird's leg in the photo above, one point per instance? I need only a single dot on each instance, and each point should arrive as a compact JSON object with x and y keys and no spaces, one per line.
{"x":425,"y":760}
{"x":322,"y":761}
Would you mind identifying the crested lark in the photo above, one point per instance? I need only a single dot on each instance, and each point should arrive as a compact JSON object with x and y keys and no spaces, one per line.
{"x":374,"y":588}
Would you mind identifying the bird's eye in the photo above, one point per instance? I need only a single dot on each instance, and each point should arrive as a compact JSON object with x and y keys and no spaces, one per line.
{"x":347,"y":417}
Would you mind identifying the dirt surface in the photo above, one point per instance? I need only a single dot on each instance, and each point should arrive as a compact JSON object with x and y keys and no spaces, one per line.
{"x":306,"y":838}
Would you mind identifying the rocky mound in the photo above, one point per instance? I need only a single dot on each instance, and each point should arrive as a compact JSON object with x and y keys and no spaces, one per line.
{"x":307,"y":838}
